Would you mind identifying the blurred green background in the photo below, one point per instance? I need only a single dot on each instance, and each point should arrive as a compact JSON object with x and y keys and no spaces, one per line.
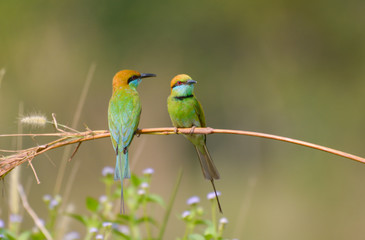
{"x":292,"y":68}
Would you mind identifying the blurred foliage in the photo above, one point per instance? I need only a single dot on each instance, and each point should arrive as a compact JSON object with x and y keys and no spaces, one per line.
{"x":292,"y":68}
{"x":104,"y":222}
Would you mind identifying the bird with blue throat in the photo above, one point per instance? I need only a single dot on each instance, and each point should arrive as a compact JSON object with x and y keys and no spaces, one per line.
{"x":123,"y":117}
{"x":186,"y":112}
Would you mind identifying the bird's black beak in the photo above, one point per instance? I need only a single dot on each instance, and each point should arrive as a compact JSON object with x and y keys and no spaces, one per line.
{"x":146,"y":75}
{"x":191,"y":81}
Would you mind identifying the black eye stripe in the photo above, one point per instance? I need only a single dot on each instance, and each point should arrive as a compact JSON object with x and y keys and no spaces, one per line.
{"x":134,"y":77}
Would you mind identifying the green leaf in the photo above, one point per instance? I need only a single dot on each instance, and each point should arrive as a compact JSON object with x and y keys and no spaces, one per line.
{"x":195,"y":236}
{"x":119,"y":234}
{"x":24,"y":235}
{"x":156,"y":199}
{"x":201,"y":222}
{"x":8,"y":235}
{"x":92,"y":204}
{"x":108,"y":179}
{"x":123,"y":219}
{"x":80,"y":218}
{"x":135,"y":180}
{"x":147,"y":219}
{"x":209,"y":233}
{"x":116,"y":194}
{"x":37,"y":236}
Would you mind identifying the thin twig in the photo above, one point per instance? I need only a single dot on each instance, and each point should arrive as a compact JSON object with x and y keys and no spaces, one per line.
{"x":75,"y":151}
{"x":31,"y":212}
{"x":7,"y":163}
{"x":35,"y":173}
{"x":55,"y":124}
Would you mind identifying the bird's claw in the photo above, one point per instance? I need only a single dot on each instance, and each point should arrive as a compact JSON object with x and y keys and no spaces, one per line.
{"x":137,"y":133}
{"x":175,"y":130}
{"x":192,"y":130}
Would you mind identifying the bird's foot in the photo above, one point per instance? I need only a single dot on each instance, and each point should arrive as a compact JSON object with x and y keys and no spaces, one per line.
{"x":175,"y":130}
{"x":137,"y":133}
{"x":192,"y":130}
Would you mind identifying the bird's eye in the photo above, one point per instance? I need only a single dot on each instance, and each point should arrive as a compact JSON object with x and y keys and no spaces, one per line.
{"x":134,"y":77}
{"x":179,"y":83}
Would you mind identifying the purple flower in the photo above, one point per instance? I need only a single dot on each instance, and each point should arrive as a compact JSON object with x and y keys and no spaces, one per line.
{"x":148,"y":171}
{"x":54,"y":203}
{"x":2,"y":224}
{"x":47,"y":198}
{"x":185,"y":214}
{"x":121,"y":228}
{"x":193,"y":200}
{"x":99,"y":236}
{"x":107,"y":224}
{"x":141,"y":192}
{"x":93,"y":230}
{"x":103,"y":199}
{"x":15,"y":218}
{"x":107,"y":170}
{"x":211,"y":195}
{"x":72,"y":235}
{"x":223,"y":220}
{"x":144,"y":185}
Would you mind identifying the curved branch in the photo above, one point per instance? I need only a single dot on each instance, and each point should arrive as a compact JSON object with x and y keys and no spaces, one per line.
{"x":7,"y":163}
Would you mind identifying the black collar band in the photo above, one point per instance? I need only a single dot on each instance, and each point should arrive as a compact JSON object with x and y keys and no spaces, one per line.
{"x":183,"y":97}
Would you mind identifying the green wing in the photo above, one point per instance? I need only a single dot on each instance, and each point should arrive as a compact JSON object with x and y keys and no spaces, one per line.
{"x":200,"y":113}
{"x":124,"y":114}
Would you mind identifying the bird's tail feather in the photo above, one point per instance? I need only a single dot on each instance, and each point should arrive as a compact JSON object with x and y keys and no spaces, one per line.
{"x":122,"y":169}
{"x":209,"y":170}
{"x":216,"y":196}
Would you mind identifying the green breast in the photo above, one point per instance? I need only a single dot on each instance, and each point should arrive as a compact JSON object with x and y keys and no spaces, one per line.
{"x":183,"y":112}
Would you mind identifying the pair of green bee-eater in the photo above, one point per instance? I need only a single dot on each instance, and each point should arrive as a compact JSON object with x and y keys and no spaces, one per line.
{"x":184,"y":109}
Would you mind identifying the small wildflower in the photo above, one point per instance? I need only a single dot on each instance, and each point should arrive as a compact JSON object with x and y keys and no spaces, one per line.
{"x":211,"y":195}
{"x":42,"y":222}
{"x":93,"y":230}
{"x":107,"y":224}
{"x":107,"y":170}
{"x":34,"y":120}
{"x":121,"y":228}
{"x":141,"y":192}
{"x":148,"y":171}
{"x":99,"y":236}
{"x":2,"y":224}
{"x":47,"y":198}
{"x":222,"y":224}
{"x":185,"y":214}
{"x":53,"y":204}
{"x":193,"y":200}
{"x":223,"y":220}
{"x":103,"y":199}
{"x":144,"y":185}
{"x":2,"y":236}
{"x":72,"y":235}
{"x":15,"y":218}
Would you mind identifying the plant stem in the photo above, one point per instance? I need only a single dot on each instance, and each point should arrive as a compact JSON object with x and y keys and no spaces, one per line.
{"x":171,"y":203}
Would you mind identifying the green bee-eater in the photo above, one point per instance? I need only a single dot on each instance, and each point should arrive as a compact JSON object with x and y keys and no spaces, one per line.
{"x":186,"y":112}
{"x":123,"y":117}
